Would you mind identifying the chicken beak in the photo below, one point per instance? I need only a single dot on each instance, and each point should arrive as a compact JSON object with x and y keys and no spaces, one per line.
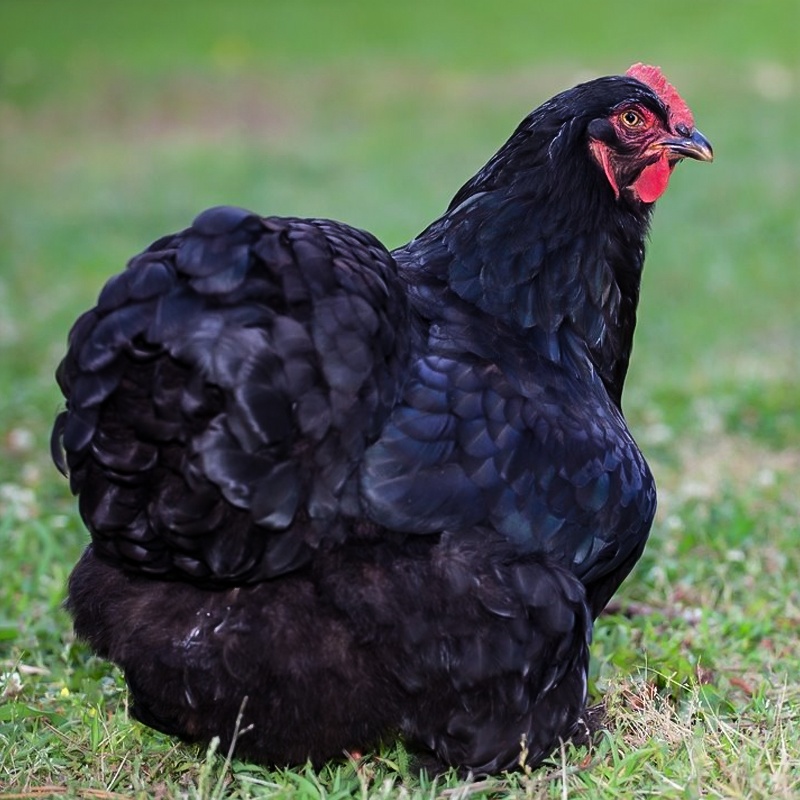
{"x":693,"y":146}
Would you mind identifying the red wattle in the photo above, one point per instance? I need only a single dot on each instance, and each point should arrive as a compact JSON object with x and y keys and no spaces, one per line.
{"x":653,"y":180}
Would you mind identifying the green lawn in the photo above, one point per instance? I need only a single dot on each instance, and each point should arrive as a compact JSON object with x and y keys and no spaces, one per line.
{"x":119,"y":121}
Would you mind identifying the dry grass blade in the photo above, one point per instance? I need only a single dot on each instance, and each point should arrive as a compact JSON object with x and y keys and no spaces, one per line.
{"x":57,"y":791}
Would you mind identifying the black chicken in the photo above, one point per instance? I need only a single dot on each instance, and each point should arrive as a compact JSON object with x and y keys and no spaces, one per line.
{"x":368,"y":492}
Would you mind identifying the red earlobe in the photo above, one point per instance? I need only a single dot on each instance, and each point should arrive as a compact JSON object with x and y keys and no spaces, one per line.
{"x":600,"y":152}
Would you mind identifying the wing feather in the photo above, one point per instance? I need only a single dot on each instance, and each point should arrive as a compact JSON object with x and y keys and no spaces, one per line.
{"x":223,"y":390}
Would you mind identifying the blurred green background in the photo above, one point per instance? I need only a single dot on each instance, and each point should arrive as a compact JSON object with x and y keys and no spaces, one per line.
{"x":119,"y":121}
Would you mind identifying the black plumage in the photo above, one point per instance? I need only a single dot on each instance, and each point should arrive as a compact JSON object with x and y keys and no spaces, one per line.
{"x":373,"y":492}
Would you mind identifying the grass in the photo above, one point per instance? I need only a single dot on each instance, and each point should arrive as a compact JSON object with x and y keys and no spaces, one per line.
{"x":120,"y":121}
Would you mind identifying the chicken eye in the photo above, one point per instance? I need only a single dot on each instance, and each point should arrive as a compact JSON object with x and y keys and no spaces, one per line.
{"x":631,"y":119}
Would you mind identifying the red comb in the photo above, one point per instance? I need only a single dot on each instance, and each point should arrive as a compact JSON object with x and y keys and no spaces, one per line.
{"x":654,"y":78}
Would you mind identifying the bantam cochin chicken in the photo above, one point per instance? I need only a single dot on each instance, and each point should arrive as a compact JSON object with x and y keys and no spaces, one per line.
{"x":343,"y":494}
